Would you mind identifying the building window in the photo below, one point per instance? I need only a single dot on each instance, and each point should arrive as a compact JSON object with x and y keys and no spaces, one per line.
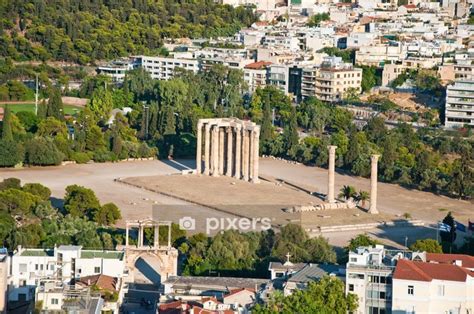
{"x":36,"y":266}
{"x":351,"y":287}
{"x":96,"y":270}
{"x":411,"y":290}
{"x":54,"y":301}
{"x":441,"y":291}
{"x":23,"y":283}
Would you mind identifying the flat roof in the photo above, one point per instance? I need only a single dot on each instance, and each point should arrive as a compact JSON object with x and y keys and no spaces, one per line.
{"x":223,"y":283}
{"x":37,"y":252}
{"x":102,"y":254}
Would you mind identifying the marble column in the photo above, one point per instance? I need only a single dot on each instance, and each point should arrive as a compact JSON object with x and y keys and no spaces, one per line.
{"x":156,"y":237}
{"x":238,"y":153}
{"x":140,"y":236}
{"x":215,"y":151}
{"x":331,"y":171}
{"x":169,"y":235}
{"x":207,"y":147}
{"x":198,"y":149}
{"x":126,"y":235}
{"x":245,"y":154}
{"x":251,"y":156}
{"x":373,"y":184}
{"x":230,"y":144}
{"x":221,"y":151}
{"x":255,"y":154}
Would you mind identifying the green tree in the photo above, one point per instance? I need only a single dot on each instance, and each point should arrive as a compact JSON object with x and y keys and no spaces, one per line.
{"x":324,"y":296}
{"x":41,"y":151}
{"x":80,"y":201}
{"x":427,"y":245}
{"x":55,"y":105}
{"x":267,"y":127}
{"x":107,"y":214}
{"x":291,"y":132}
{"x":11,"y":153}
{"x":7,"y":125}
{"x":347,"y":192}
{"x":38,"y":189}
{"x":360,"y":240}
{"x":362,"y":197}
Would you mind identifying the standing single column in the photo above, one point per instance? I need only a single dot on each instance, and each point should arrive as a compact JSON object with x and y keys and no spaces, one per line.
{"x":373,"y":184}
{"x":156,"y":237}
{"x":255,"y":152}
{"x":245,"y":154}
{"x":141,"y":236}
{"x":207,"y":147}
{"x":126,"y":235}
{"x":230,"y":144}
{"x":331,"y":171}
{"x":169,"y":235}
{"x":199,"y":148}
{"x":215,"y":151}
{"x":221,"y":151}
{"x":238,"y":153}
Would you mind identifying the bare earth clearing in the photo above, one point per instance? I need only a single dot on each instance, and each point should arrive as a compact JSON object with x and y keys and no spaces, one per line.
{"x":243,"y":199}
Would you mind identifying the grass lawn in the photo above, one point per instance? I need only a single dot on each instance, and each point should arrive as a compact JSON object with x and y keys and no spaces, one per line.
{"x":31,"y":107}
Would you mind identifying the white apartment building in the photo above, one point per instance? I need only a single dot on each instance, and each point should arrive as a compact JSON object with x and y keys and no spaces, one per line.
{"x":278,"y":76}
{"x":163,"y":68}
{"x":62,"y":264}
{"x":4,"y":270}
{"x":117,"y":69}
{"x":369,"y":277}
{"x":333,"y":79}
{"x":377,"y":54}
{"x":255,"y":75}
{"x":432,"y":287}
{"x":460,"y":104}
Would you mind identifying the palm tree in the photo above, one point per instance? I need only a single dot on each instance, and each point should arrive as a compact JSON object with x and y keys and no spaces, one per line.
{"x":347,"y":191}
{"x":362,"y":196}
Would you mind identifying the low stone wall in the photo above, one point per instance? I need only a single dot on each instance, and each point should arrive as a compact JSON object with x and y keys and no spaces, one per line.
{"x":367,"y":226}
{"x":325,"y":206}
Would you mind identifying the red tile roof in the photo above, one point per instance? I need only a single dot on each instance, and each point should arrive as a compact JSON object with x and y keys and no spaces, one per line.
{"x":466,"y":260}
{"x":410,"y":6}
{"x":102,"y":281}
{"x":421,"y":271}
{"x":257,"y":65}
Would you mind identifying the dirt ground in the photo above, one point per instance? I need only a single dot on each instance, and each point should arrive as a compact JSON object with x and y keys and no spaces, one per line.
{"x":136,"y":203}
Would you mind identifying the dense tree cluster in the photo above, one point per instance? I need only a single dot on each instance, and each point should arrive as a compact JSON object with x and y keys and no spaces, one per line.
{"x":28,"y":218}
{"x":324,"y":296}
{"x":85,"y":31}
{"x":232,"y":253}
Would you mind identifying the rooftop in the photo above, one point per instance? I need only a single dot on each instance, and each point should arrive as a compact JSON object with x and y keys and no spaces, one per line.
{"x":102,"y":254}
{"x":223,"y":283}
{"x":466,"y":260}
{"x":313,"y":272}
{"x":421,"y":271}
{"x":37,"y":252}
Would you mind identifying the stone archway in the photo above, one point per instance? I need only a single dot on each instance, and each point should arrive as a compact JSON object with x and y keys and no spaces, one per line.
{"x":146,"y":268}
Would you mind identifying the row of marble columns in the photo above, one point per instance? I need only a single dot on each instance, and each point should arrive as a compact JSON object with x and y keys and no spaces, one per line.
{"x":373,"y":179}
{"x":141,"y":233}
{"x":230,"y":149}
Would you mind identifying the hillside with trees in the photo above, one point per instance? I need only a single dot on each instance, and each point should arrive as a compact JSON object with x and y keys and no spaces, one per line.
{"x":84,"y":31}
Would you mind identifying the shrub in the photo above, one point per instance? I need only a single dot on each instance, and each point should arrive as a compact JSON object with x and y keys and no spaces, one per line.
{"x":42,"y":152}
{"x":11,"y":153}
{"x":80,"y":158}
{"x":103,"y":155}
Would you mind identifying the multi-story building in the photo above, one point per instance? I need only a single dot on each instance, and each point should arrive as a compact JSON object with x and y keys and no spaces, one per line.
{"x":464,"y":70}
{"x":255,"y":75}
{"x":334,"y":79}
{"x":4,"y":270}
{"x":437,"y":286}
{"x":117,"y":69}
{"x":460,"y":104}
{"x":164,"y":68}
{"x":63,"y":264}
{"x":369,"y":276}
